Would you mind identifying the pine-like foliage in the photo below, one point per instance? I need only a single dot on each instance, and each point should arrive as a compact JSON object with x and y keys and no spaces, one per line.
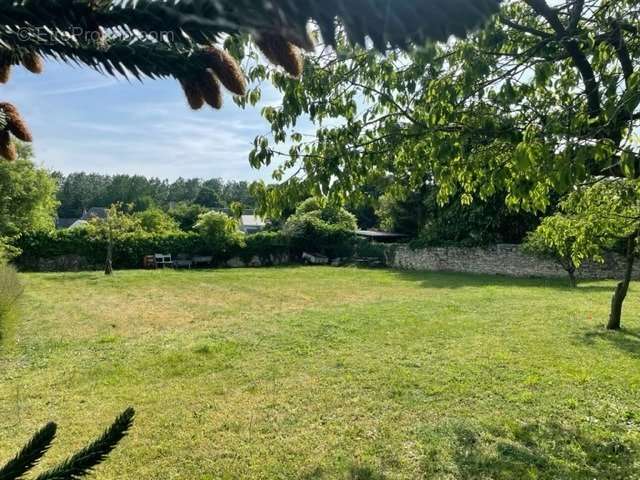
{"x":30,"y":454}
{"x":175,"y":38}
{"x":76,"y":466}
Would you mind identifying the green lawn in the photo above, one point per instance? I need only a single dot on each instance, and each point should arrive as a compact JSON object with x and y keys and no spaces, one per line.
{"x":310,"y":373}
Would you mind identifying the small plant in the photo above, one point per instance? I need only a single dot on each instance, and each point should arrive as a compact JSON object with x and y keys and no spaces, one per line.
{"x":78,"y":465}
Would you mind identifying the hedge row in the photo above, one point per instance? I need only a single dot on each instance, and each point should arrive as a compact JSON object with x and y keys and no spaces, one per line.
{"x":129,"y":250}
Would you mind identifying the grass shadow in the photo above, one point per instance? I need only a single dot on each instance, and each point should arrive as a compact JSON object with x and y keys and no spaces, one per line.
{"x":625,"y":339}
{"x":542,"y":451}
{"x":452,"y":280}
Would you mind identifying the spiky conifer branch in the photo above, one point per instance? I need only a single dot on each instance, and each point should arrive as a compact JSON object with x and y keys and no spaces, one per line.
{"x":78,"y":465}
{"x":396,"y":22}
{"x":30,"y":454}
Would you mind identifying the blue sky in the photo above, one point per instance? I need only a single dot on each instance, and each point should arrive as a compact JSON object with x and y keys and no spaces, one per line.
{"x":85,"y":121}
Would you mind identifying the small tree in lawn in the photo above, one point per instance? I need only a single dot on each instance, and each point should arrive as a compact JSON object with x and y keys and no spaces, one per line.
{"x":117,"y":223}
{"x":590,"y":221}
{"x":555,"y":238}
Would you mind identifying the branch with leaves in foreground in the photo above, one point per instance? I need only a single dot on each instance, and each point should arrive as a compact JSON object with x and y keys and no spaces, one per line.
{"x":177,"y":39}
{"x":74,"y":467}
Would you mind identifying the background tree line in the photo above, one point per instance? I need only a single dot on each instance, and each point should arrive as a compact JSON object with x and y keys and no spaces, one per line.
{"x":78,"y":192}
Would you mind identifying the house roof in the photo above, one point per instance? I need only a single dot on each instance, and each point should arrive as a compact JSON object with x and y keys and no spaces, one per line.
{"x":376,"y":235}
{"x":78,"y":223}
{"x":252,"y":221}
{"x":95,"y":212}
{"x":65,"y":222}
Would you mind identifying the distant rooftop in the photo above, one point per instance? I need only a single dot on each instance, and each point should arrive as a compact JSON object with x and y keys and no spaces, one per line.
{"x":65,"y":222}
{"x":95,"y":212}
{"x":381,"y":236}
{"x":78,"y":223}
{"x":252,"y":221}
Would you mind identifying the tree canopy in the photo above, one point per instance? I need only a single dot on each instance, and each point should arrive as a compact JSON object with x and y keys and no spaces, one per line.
{"x":80,"y":191}
{"x":540,"y":100}
{"x":27,"y":196}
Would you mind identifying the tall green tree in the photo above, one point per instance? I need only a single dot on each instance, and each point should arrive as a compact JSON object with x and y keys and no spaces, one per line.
{"x":27,"y":197}
{"x":541,"y":100}
{"x":590,"y":221}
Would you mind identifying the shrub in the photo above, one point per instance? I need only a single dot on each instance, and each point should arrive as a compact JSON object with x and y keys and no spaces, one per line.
{"x":318,"y":227}
{"x":219,"y":231}
{"x":308,"y":233}
{"x":155,"y":220}
{"x":366,"y":249}
{"x":10,"y":291}
{"x":263,"y":245}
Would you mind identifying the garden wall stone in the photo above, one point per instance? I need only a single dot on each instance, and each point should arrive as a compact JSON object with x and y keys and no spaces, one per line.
{"x":61,"y":263}
{"x":502,"y":259}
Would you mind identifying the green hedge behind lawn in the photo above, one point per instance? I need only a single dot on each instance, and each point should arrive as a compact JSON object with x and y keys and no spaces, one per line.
{"x":130,"y":249}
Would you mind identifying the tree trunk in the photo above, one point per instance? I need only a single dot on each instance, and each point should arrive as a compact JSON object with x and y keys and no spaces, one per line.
{"x":573,"y":281}
{"x":615,"y":317}
{"x":108,"y":268}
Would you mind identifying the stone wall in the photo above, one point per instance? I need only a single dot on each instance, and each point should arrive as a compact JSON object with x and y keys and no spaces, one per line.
{"x":77,"y":263}
{"x":61,"y":263}
{"x":498,"y":260}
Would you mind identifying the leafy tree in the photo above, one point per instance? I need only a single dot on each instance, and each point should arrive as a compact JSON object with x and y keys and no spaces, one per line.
{"x":117,"y":223}
{"x":78,"y":465}
{"x":542,"y":99}
{"x":329,"y":213}
{"x":239,"y":192}
{"x":184,"y":190}
{"x":592,"y":220}
{"x":135,"y":190}
{"x":79,"y":192}
{"x":555,"y":238}
{"x":208,"y":197}
{"x":186,"y":214}
{"x":27,"y":198}
{"x":155,"y":220}
{"x":236,"y":209}
{"x":482,"y":222}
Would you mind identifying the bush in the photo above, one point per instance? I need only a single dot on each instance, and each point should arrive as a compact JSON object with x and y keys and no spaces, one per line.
{"x":366,"y":249}
{"x":318,"y":227}
{"x":263,"y":245}
{"x":215,"y":235}
{"x":308,"y":233}
{"x":219,"y":232}
{"x":10,"y":291}
{"x":155,"y":220}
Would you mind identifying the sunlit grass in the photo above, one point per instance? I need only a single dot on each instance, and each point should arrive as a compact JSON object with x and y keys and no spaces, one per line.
{"x":328,"y":373}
